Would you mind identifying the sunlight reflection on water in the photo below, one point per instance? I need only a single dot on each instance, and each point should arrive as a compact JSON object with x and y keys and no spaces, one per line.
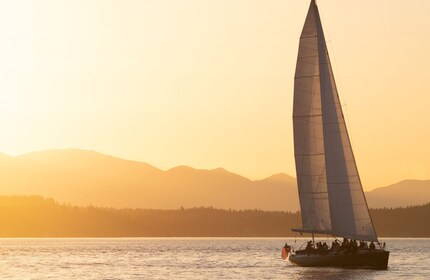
{"x":188,"y":258}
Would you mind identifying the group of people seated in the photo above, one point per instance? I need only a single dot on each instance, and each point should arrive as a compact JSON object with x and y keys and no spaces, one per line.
{"x":347,"y":246}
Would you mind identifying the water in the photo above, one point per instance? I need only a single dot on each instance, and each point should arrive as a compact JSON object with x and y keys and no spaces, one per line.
{"x":188,"y":258}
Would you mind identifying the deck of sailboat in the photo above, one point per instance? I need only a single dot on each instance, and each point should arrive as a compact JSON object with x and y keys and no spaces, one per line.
{"x":368,"y":259}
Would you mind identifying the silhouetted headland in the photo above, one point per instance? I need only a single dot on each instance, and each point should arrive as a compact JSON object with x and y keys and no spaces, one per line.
{"x":34,"y":216}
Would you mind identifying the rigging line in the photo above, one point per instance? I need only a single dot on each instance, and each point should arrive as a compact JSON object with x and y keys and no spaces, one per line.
{"x":329,"y":42}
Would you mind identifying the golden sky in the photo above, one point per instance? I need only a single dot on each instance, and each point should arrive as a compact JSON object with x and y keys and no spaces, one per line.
{"x":210,"y":83}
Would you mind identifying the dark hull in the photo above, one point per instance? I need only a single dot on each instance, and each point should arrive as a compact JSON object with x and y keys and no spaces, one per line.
{"x":377,"y":259}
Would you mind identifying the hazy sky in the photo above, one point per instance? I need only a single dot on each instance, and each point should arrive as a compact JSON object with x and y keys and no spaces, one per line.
{"x":210,"y":83}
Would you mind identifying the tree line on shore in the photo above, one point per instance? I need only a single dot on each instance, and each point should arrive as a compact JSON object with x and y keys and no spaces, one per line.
{"x":34,"y":216}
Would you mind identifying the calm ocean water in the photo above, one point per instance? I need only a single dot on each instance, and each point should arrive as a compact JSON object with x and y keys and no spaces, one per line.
{"x":188,"y":258}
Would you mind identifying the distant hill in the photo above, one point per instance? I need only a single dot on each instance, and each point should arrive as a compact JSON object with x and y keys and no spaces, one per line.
{"x":404,"y":193}
{"x":38,"y":217}
{"x":86,"y":178}
{"x":89,"y":178}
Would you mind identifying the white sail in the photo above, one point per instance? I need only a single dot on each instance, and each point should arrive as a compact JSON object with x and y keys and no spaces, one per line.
{"x":329,"y":184}
{"x":308,"y":132}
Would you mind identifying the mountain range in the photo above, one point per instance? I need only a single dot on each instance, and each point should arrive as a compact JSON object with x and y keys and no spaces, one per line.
{"x":84,"y":178}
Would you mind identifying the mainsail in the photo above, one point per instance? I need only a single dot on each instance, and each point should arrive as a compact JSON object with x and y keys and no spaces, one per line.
{"x":330,"y":191}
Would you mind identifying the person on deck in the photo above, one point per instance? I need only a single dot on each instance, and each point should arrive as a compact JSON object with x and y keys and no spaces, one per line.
{"x":353,"y":246}
{"x":335,"y":246}
{"x":318,"y":247}
{"x":372,"y":246}
{"x":324,"y":247}
{"x":345,"y":243}
{"x":309,"y":246}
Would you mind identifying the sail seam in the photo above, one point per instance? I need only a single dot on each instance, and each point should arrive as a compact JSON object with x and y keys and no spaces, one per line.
{"x":313,"y":192}
{"x":310,"y":76}
{"x":307,"y":116}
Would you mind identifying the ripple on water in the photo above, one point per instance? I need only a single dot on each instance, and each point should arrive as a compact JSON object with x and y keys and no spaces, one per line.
{"x":187,"y":258}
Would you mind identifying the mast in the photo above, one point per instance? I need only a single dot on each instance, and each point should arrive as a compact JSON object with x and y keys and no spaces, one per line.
{"x":331,"y":196}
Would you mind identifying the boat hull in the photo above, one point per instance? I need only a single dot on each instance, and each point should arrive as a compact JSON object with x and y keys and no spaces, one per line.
{"x":377,"y":259}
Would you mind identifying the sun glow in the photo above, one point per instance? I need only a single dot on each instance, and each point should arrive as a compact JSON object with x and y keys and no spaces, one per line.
{"x":209,"y":83}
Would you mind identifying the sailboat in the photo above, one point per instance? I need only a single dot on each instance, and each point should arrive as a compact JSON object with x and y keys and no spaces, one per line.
{"x":332,"y":200}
